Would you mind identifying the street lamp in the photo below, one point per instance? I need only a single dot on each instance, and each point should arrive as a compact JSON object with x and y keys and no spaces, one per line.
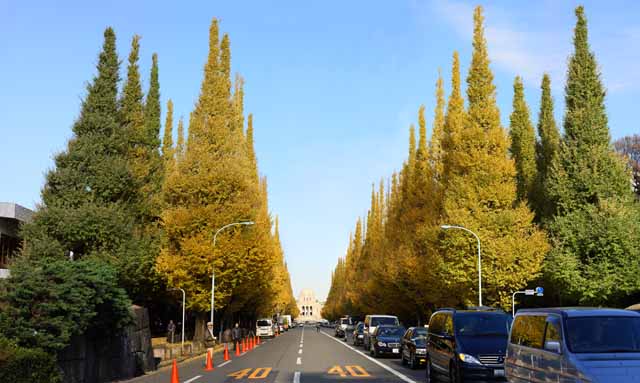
{"x":213,"y":274}
{"x":184,"y":298}
{"x":446,"y":227}
{"x":539,"y":292}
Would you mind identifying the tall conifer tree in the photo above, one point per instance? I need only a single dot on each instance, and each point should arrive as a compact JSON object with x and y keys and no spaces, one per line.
{"x":437,"y":135}
{"x":546,"y":149}
{"x":595,"y":257}
{"x":167,"y":141}
{"x":481,"y":194}
{"x":523,"y":141}
{"x":212,"y":187}
{"x":587,"y":170}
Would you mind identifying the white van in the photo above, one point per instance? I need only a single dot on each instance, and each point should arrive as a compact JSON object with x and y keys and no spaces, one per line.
{"x":264,"y":327}
{"x":371,"y":322}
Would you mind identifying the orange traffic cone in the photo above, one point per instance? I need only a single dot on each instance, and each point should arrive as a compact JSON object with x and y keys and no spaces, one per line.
{"x":255,"y":341}
{"x":174,"y":373}
{"x":250,"y":343}
{"x":209,"y":366}
{"x":244,"y":345}
{"x":258,"y":340}
{"x":237,"y":348}
{"x":226,"y":353}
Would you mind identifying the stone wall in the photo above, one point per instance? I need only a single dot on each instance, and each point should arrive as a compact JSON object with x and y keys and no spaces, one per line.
{"x":92,"y":359}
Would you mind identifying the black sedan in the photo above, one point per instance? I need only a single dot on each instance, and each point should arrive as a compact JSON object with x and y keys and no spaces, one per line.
{"x":386,"y":340}
{"x":358,"y":334}
{"x":413,"y":350}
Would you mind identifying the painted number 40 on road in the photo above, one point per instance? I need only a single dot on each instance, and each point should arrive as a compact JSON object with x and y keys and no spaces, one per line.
{"x":250,"y":373}
{"x":355,"y":371}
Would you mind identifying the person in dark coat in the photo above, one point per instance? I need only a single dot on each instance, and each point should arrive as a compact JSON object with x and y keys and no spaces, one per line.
{"x":236,"y":335}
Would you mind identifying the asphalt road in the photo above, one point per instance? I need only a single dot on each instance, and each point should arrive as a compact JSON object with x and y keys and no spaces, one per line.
{"x":300,"y":355}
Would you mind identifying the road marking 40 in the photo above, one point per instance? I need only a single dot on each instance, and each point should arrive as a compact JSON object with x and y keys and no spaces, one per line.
{"x":353,"y":370}
{"x":258,"y":373}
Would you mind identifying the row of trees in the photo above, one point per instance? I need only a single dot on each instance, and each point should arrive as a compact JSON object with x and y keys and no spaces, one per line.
{"x":553,"y":210}
{"x":125,"y":216}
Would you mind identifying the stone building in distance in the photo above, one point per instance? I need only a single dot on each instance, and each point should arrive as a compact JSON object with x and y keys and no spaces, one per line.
{"x":310,"y":307}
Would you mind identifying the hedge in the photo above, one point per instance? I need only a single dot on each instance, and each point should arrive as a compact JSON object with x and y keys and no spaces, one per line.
{"x":26,"y":365}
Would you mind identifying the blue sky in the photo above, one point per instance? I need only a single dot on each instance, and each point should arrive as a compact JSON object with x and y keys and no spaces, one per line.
{"x":333,"y":86}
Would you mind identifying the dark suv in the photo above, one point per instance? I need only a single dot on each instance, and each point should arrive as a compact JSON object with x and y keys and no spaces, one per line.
{"x":467,"y":344}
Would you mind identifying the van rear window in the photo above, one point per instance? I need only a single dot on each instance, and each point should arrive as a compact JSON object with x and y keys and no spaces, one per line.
{"x":603,"y":334}
{"x":263,"y":323}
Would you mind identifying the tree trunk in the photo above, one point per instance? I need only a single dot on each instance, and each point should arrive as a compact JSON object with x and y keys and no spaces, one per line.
{"x":201,"y":325}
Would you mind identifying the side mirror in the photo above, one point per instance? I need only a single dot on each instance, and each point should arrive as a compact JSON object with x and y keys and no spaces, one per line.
{"x":553,"y":346}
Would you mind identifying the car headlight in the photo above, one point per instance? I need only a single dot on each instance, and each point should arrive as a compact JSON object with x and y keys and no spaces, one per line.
{"x":468,"y":359}
{"x":382,"y":344}
{"x":421,"y":351}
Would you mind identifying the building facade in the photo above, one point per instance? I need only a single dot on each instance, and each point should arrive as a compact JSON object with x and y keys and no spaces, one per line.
{"x":310,"y":308}
{"x":11,"y":217}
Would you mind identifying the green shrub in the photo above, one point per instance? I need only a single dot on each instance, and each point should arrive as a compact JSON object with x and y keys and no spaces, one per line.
{"x":27,"y":365}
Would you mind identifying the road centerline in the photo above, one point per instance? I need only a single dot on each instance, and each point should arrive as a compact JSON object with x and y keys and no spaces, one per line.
{"x":296,"y":377}
{"x":193,"y":379}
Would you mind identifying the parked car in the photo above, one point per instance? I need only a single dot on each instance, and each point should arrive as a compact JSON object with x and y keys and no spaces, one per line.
{"x":373,"y":321}
{"x":574,"y":345}
{"x":467,"y":344}
{"x":264,"y":328}
{"x":358,"y":334}
{"x":413,"y":347}
{"x":386,"y":340}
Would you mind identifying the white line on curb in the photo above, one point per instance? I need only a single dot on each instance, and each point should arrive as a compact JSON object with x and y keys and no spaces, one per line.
{"x":300,"y":351}
{"x":222,"y":364}
{"x":391,"y":370}
{"x":296,"y":377}
{"x":193,"y":379}
{"x":299,"y":361}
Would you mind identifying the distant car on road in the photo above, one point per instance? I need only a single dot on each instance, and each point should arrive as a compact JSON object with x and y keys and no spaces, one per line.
{"x":386,"y":340}
{"x":467,"y":344}
{"x":413,"y":347}
{"x":358,"y":334}
{"x":373,"y":321}
{"x":574,"y":345}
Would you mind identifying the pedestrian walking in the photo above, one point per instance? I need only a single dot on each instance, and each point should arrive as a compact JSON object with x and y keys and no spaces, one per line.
{"x":209,"y":338}
{"x":171,"y":330}
{"x":236,"y":335}
{"x":317,"y":327}
{"x":227,"y":338}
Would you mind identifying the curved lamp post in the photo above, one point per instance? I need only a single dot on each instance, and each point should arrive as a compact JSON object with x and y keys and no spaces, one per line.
{"x":446,"y":227}
{"x":213,"y":275}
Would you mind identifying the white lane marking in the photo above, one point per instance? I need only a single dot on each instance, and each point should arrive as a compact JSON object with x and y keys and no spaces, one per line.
{"x":296,"y":377}
{"x":391,"y":370}
{"x":222,"y":364}
{"x":299,"y":361}
{"x":193,"y":379}
{"x":300,"y":351}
